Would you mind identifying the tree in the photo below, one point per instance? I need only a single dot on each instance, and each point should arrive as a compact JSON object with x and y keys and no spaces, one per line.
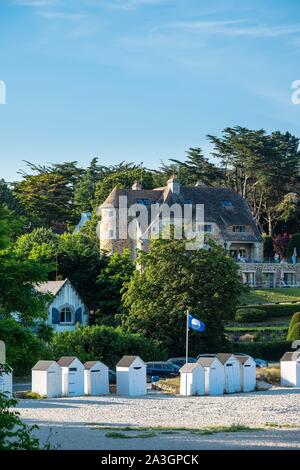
{"x":198,"y":168}
{"x":268,"y":247}
{"x":122,"y":179}
{"x":280,"y":244}
{"x":110,"y":283}
{"x":79,"y":260}
{"x":294,"y":243}
{"x":174,"y":279}
{"x":47,"y":198}
{"x":40,"y":245}
{"x":17,"y":280}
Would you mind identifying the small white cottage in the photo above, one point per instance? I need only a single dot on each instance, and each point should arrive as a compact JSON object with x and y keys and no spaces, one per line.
{"x":247,"y":373}
{"x":290,"y":369}
{"x":232,"y":381}
{"x":46,"y":379}
{"x":66,"y":308}
{"x":131,"y":376}
{"x":72,"y":376}
{"x":214,"y":375}
{"x":96,"y":378}
{"x":192,"y":379}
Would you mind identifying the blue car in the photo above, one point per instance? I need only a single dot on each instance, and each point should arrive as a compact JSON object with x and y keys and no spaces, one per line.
{"x":162,"y":369}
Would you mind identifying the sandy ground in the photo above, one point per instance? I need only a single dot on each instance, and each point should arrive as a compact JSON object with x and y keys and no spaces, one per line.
{"x":73,"y":421}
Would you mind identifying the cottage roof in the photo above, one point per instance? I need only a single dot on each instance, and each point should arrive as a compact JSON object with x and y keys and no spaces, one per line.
{"x":189,"y":367}
{"x":89,"y":364}
{"x":290,"y":356}
{"x":65,"y":361}
{"x":126,"y":361}
{"x":43,"y":365}
{"x":50,"y":287}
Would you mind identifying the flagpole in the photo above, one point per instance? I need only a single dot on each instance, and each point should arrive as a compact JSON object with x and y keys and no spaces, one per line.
{"x":186,"y":349}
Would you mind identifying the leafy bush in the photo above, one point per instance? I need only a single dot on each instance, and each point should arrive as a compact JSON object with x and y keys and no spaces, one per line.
{"x":24,"y":348}
{"x":293,"y":243}
{"x":269,"y":350}
{"x":250,"y":315}
{"x":295,"y":319}
{"x":105,"y":343}
{"x":32,"y":395}
{"x":270,"y":375}
{"x":277,"y":310}
{"x":294,"y":334}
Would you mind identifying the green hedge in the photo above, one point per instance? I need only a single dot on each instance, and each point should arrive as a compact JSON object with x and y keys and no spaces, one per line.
{"x":104,"y":343}
{"x":268,"y":350}
{"x":294,"y":334}
{"x":276,"y":310}
{"x":250,"y":315}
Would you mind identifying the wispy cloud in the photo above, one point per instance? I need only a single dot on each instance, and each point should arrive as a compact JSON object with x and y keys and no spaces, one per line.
{"x":232,"y":28}
{"x":133,"y":4}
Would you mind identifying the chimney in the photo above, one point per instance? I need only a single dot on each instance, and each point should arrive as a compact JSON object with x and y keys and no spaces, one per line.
{"x":136,"y":186}
{"x":174,"y":184}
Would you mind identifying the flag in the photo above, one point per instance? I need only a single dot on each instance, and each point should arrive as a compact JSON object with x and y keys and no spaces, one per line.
{"x":196,"y":324}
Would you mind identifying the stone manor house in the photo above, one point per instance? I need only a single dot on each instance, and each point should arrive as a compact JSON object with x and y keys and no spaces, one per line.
{"x":227,"y":220}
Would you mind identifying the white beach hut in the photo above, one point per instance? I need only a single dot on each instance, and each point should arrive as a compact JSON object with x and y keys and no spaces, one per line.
{"x":247,"y":373}
{"x":96,"y":379}
{"x":232,"y":380}
{"x":214,"y":375}
{"x":192,"y":379}
{"x":290,"y":369}
{"x":46,"y":379}
{"x":72,"y":376}
{"x":131,"y":376}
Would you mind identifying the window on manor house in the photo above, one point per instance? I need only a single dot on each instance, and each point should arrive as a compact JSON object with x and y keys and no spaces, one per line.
{"x":207,"y":228}
{"x":66,"y":315}
{"x":145,"y":202}
{"x":239,"y":228}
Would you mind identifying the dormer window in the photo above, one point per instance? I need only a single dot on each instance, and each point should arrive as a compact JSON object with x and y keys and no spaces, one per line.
{"x":239,"y":228}
{"x":145,"y":202}
{"x":207,"y":228}
{"x":226,"y":203}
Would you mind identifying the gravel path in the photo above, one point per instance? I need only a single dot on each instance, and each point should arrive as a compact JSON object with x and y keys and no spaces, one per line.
{"x":74,"y":419}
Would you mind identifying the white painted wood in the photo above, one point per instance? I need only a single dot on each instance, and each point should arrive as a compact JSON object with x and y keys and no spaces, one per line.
{"x":47,"y":382}
{"x":248,"y":375}
{"x":132,"y":380}
{"x":96,"y":380}
{"x":214,"y":378}
{"x":193,"y":383}
{"x":290,"y":373}
{"x":73,"y":379}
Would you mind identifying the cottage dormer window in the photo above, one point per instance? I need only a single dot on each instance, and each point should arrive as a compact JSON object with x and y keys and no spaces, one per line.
{"x":239,"y":228}
{"x":66,"y":315}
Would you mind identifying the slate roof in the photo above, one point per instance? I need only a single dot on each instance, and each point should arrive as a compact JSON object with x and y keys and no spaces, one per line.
{"x":288,"y":356}
{"x":50,"y":287}
{"x":126,"y":361}
{"x":238,"y":213}
{"x":189,"y":367}
{"x":43,"y":365}
{"x":65,"y":361}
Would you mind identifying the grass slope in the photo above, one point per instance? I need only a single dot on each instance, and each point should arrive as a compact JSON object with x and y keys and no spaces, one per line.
{"x":264,"y":296}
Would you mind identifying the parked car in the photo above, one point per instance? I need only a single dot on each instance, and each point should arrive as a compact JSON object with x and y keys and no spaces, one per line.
{"x":180,"y":361}
{"x":162,"y":369}
{"x":260,"y":363}
{"x":112,"y":376}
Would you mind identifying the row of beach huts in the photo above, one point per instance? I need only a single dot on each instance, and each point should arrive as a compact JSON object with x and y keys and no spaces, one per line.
{"x":214,"y":375}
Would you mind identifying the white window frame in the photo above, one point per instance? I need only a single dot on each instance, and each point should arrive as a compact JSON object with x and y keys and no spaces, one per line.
{"x":64,"y":307}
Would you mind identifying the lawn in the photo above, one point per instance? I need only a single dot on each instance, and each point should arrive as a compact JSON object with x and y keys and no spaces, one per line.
{"x":265,"y":296}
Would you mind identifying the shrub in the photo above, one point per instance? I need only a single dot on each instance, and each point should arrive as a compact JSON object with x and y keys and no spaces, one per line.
{"x":276,"y":310}
{"x":32,"y":395}
{"x":295,"y":333}
{"x":268,"y":247}
{"x":24,"y":348}
{"x":295,"y":319}
{"x":250,"y":315}
{"x":269,"y":350}
{"x":104,"y":343}
{"x":247,"y":338}
{"x":270,"y":375}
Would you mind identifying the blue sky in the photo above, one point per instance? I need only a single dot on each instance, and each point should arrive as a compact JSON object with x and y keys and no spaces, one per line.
{"x":141,"y":80}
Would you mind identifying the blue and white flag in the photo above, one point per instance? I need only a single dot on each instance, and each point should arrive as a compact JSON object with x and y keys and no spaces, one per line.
{"x":196,"y":324}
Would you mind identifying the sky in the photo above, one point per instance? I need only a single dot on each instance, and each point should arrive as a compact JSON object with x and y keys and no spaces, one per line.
{"x":141,"y":80}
